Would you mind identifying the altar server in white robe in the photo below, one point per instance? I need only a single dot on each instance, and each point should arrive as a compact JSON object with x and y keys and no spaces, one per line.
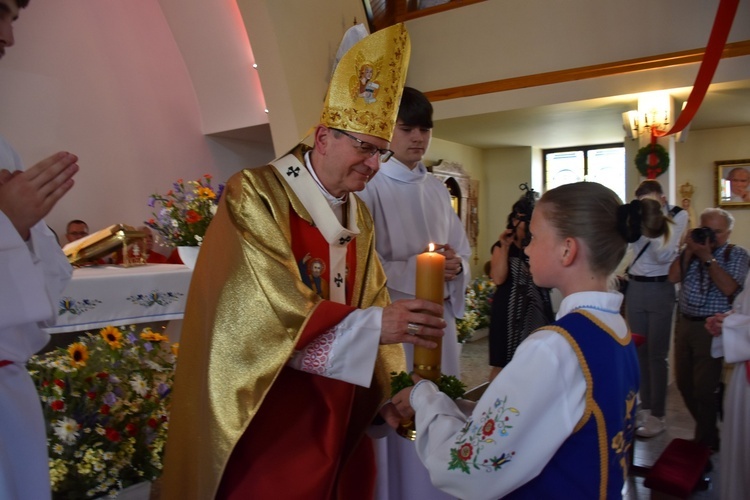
{"x":732,"y":341}
{"x":33,"y":273}
{"x":412,"y":208}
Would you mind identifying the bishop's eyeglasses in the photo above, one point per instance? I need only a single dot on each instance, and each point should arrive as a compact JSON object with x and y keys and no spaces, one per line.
{"x":369,"y":149}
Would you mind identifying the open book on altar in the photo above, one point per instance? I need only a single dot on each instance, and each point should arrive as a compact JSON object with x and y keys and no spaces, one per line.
{"x":115,"y":238}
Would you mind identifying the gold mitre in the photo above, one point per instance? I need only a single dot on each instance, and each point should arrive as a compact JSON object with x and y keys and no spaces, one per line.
{"x":366,"y":86}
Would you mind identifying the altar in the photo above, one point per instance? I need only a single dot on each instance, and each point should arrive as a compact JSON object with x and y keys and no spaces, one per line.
{"x":112,"y":295}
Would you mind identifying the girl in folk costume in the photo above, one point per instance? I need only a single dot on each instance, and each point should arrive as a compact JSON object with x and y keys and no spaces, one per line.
{"x":558,"y":421}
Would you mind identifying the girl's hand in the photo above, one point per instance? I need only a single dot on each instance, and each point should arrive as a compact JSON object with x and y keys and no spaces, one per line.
{"x":391,"y":415}
{"x":401,"y":399}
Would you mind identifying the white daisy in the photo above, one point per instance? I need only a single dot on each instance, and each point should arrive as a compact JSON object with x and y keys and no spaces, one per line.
{"x":139,"y":385}
{"x":66,"y":429}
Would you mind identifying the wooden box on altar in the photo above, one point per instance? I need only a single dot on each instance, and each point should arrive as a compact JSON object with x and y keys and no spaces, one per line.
{"x":116,"y":244}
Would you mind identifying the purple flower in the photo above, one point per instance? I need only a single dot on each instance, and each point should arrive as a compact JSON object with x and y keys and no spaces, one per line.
{"x":151,"y":201}
{"x":163,"y":389}
{"x":132,"y":338}
{"x":218,"y":193}
{"x":148,"y":347}
{"x":109,"y":399}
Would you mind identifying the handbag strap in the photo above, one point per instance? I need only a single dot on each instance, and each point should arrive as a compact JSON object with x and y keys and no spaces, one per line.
{"x":637,"y":257}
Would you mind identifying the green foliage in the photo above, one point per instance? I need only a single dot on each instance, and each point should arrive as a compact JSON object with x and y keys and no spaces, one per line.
{"x":451,"y":386}
{"x":448,"y":384}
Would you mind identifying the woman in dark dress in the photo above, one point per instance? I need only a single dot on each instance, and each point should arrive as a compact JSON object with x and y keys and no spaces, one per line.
{"x":518,"y":306}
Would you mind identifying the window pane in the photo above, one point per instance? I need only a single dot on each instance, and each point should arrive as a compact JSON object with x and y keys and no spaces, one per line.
{"x":607,"y":166}
{"x":563,"y":168}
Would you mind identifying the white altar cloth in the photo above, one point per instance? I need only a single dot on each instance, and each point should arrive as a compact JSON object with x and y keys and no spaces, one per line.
{"x":118,"y":296}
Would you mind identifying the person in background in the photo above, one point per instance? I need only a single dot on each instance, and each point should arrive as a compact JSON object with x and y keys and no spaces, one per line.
{"x":33,"y":274}
{"x":731,"y":332}
{"x":154,"y":257}
{"x":75,"y":230}
{"x":411,"y":208}
{"x":276,"y":385}
{"x":649,"y":307}
{"x":558,"y":420}
{"x":518,"y":306}
{"x":711,"y":271}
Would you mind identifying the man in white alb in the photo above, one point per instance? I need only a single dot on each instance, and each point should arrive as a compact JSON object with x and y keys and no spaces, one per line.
{"x":411,"y":208}
{"x":33,"y":273}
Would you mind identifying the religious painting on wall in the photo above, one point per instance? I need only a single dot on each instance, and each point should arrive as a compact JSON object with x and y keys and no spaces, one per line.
{"x":733,"y":183}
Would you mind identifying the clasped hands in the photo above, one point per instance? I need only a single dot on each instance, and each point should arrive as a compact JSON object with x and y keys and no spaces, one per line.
{"x":715,"y":323}
{"x":27,"y":196}
{"x":453,"y":265}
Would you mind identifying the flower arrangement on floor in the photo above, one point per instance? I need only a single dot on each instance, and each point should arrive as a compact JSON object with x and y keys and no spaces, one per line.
{"x":106,"y":404}
{"x":478,"y":307}
{"x":186,"y":211}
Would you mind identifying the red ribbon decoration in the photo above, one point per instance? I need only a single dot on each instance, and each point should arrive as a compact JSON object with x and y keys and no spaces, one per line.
{"x":714,"y":49}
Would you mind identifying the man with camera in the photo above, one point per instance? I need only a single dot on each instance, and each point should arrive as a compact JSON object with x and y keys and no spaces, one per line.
{"x":711,"y":271}
{"x":649,"y":308}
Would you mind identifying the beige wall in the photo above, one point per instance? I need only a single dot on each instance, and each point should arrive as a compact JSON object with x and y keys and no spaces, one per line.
{"x":505,"y":169}
{"x":106,"y":81}
{"x":499,"y":172}
{"x":494,"y":40}
{"x":295,"y":43}
{"x":695,"y":164}
{"x":472,"y":161}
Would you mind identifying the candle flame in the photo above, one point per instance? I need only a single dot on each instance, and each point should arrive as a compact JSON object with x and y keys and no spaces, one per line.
{"x":431,"y":247}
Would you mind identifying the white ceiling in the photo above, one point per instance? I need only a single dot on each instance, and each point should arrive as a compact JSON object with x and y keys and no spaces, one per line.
{"x":596,"y":121}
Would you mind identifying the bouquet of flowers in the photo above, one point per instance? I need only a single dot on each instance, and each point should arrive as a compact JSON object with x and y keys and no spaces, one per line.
{"x":465,"y":326}
{"x":478,"y":307}
{"x":186,"y":211}
{"x":106,"y":404}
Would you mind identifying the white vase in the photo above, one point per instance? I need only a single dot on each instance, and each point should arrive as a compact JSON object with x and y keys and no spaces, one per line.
{"x":479,"y":333}
{"x":188,"y":255}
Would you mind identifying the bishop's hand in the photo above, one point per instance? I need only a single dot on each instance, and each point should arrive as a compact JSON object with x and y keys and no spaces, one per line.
{"x":412,"y":321}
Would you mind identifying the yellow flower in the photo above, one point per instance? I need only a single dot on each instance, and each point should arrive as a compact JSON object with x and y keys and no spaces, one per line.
{"x":175,"y":348}
{"x":150,"y":336}
{"x":112,"y":336}
{"x":205,"y":193}
{"x":79,"y":353}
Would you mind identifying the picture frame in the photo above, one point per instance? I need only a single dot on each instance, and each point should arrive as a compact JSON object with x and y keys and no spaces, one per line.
{"x":733,"y":183}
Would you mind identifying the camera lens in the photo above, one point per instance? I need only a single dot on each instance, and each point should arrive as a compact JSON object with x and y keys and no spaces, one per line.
{"x":701,"y":234}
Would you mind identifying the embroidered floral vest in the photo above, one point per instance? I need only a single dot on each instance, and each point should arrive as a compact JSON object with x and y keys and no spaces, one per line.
{"x":593,"y":462}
